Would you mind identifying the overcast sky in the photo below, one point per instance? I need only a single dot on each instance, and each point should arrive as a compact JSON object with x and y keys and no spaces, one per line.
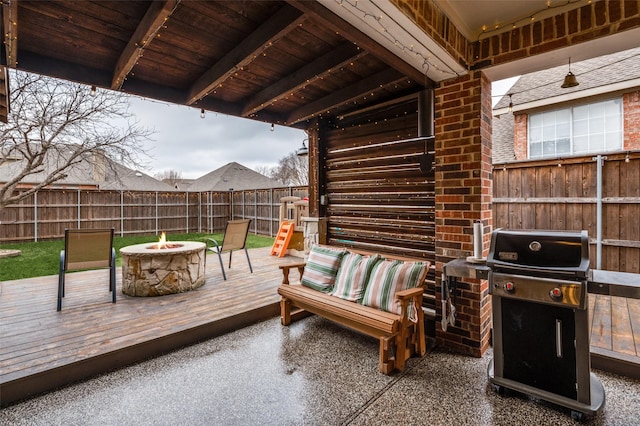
{"x":194,"y":146}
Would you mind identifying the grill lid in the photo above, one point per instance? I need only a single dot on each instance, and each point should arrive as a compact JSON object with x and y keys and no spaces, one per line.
{"x":540,"y":252}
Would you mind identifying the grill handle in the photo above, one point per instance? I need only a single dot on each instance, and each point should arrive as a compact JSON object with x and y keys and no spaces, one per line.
{"x":558,"y":338}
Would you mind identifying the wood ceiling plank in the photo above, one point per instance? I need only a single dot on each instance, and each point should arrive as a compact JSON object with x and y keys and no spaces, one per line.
{"x":151,"y":23}
{"x":308,"y":74}
{"x":336,"y":23}
{"x":255,"y":44}
{"x":352,"y":93}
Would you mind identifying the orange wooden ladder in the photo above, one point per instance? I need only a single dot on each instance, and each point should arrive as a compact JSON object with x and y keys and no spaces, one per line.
{"x":282,"y":239}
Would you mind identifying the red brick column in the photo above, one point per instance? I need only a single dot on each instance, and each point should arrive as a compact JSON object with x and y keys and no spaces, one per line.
{"x":631,"y":108}
{"x":463,"y":195}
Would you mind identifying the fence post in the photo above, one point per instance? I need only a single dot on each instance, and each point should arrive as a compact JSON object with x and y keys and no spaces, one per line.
{"x":271,"y":212}
{"x":78,"y":208}
{"x":186,"y":201}
{"x":122,"y":213}
{"x":156,"y":212}
{"x":35,"y":216}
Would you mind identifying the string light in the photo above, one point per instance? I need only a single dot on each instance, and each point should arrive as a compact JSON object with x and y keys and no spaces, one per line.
{"x":409,"y":50}
{"x":273,"y":127}
{"x":92,"y":92}
{"x":626,"y":158}
{"x":202,"y":113}
{"x":529,"y":18}
{"x":510,"y":104}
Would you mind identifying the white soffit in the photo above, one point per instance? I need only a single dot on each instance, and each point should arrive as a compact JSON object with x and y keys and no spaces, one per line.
{"x":384,"y":23}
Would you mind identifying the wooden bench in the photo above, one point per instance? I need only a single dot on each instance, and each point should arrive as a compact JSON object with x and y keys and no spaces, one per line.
{"x":399,"y":336}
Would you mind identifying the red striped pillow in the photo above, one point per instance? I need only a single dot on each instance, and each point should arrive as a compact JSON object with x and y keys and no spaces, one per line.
{"x":389,"y":277}
{"x":352,"y":276}
{"x":321,"y":268}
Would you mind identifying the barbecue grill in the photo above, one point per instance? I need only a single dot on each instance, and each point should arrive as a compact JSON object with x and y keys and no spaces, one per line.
{"x":538,"y":286}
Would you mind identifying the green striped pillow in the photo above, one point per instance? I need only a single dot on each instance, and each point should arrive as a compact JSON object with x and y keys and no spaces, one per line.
{"x":387,"y":278}
{"x":321,"y":268}
{"x":352,"y":276}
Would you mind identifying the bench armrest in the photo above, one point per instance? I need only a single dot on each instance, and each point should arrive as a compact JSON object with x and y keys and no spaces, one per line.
{"x":409,"y":293}
{"x":410,"y":301}
{"x":286,"y":268}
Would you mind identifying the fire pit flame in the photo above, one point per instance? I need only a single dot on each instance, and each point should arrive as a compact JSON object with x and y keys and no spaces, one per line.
{"x":163,"y":243}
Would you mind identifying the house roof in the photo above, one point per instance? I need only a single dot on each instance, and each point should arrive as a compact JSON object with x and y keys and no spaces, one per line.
{"x":94,"y":171}
{"x":233,"y":176}
{"x":502,"y":137}
{"x":603,"y":72}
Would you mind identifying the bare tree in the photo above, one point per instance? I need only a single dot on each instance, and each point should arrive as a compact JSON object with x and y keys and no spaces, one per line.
{"x":292,"y":170}
{"x":54,"y":125}
{"x":171,"y":177}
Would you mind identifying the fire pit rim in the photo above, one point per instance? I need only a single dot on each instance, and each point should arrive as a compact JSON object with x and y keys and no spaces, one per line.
{"x":145,"y":249}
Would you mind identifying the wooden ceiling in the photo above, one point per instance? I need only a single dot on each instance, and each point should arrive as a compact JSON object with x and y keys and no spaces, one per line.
{"x":282,"y":62}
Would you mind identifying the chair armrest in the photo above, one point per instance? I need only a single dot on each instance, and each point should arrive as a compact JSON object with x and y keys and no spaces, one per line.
{"x":410,"y":301}
{"x":214,"y":242}
{"x":286,"y":268}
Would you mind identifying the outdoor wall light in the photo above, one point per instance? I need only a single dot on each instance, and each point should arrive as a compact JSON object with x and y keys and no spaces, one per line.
{"x":569,"y":79}
{"x":303,"y":150}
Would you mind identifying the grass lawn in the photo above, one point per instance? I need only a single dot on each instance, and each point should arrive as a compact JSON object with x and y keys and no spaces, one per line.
{"x":43,"y":258}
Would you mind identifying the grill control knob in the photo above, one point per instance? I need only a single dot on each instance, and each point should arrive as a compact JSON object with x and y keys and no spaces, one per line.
{"x":509,"y":287}
{"x":556,"y":294}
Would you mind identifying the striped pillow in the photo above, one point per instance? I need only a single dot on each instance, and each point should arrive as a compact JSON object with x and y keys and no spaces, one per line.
{"x":321,"y":268}
{"x":387,"y":278}
{"x":352,"y":276}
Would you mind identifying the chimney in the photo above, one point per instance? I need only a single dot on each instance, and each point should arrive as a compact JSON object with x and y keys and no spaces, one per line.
{"x":99,"y":166}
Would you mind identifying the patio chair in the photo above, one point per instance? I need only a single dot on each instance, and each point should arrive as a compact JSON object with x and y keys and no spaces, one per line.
{"x":235,"y":238}
{"x":87,"y":249}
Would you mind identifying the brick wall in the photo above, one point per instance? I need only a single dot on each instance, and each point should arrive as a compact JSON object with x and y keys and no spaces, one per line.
{"x":595,"y":20}
{"x":463,"y":195}
{"x":520,"y":122}
{"x":631,"y":108}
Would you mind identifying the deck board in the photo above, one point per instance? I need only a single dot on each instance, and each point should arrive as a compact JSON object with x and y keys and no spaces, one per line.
{"x":42,"y":349}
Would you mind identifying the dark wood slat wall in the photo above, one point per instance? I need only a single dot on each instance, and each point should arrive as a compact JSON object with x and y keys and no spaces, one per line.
{"x":378,"y":199}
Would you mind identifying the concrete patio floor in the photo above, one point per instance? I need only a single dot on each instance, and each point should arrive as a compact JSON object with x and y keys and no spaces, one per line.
{"x":311,"y":373}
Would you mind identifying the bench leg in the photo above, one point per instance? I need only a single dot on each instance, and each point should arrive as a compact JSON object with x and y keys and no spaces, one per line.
{"x":285,"y":312}
{"x":401,"y":348}
{"x":386,"y":360}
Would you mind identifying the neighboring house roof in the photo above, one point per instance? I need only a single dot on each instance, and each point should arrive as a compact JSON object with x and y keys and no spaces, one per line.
{"x":95,"y":171}
{"x":233,"y":176}
{"x":502,"y":138}
{"x":607,"y":72}
{"x":182,"y":184}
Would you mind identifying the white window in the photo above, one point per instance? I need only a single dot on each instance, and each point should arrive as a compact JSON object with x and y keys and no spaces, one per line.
{"x":581,"y":129}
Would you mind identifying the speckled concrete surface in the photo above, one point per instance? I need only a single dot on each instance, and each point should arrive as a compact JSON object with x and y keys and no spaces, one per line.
{"x":311,"y":373}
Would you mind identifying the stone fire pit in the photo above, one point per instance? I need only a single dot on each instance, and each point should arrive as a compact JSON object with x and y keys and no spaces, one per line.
{"x":153,"y":270}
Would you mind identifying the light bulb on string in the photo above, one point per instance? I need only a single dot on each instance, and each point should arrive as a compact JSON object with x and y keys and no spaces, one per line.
{"x":202,"y":113}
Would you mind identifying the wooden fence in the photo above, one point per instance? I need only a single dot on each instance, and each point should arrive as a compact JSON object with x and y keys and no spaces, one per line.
{"x":46,"y":214}
{"x":572,"y":194}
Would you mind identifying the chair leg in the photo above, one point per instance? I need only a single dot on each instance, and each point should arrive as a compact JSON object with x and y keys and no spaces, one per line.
{"x":222,"y":265}
{"x":230,"y":253}
{"x":248,"y":261}
{"x":112,"y":276}
{"x":61,"y":273}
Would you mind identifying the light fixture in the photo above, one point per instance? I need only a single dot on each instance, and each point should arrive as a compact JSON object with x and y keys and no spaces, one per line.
{"x":303,"y":151}
{"x":510,"y":104}
{"x":93,"y":91}
{"x":273,"y":127}
{"x":569,"y":79}
{"x":201,"y":112}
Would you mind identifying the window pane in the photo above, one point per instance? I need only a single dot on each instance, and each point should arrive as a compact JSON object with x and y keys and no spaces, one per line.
{"x":535,"y":120}
{"x":548,"y":132}
{"x":581,"y":144}
{"x":548,"y":148}
{"x":581,"y":127}
{"x":596,"y":143}
{"x":535,"y":150}
{"x":581,"y":112}
{"x":613,"y":140}
{"x":563,"y":130}
{"x":563,"y":146}
{"x":596,"y":125}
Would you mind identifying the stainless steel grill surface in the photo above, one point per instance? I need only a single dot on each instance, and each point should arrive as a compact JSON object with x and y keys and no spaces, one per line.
{"x":538,"y":284}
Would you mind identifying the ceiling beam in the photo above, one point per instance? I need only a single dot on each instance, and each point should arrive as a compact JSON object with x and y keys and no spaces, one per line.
{"x":352,"y":93}
{"x":351,"y":33}
{"x":284,"y":21}
{"x":316,"y":70}
{"x":149,"y":26}
{"x":4,"y":94}
{"x":10,"y":32}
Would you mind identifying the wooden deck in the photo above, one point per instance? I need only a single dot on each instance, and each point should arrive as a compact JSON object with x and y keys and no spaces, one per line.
{"x":42,"y":349}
